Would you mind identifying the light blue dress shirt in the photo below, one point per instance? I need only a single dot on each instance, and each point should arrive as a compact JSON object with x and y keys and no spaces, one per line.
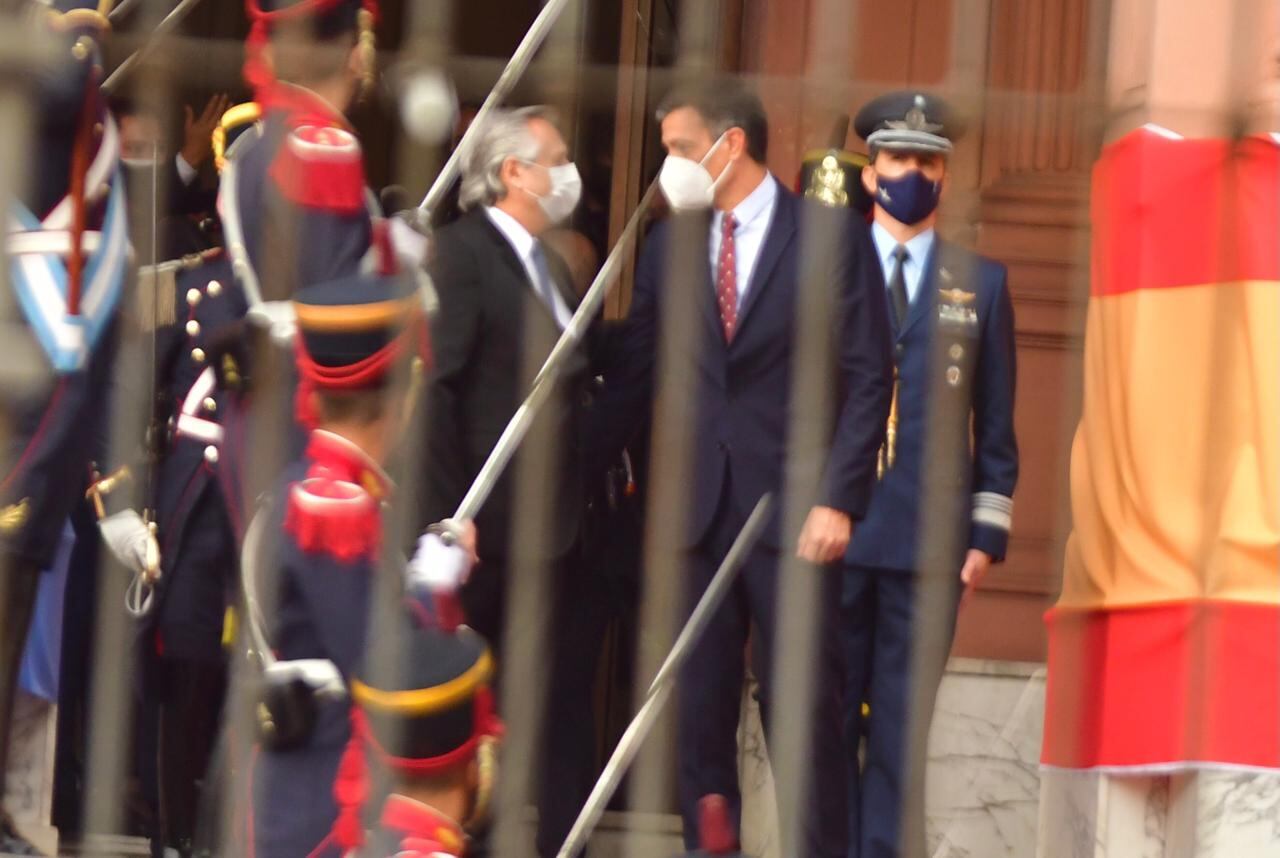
{"x":918,"y":250}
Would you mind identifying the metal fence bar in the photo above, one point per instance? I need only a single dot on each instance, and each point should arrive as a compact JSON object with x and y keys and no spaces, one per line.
{"x":112,"y":704}
{"x":664,"y":585}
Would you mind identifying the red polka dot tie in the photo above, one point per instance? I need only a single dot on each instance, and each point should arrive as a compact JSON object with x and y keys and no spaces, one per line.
{"x":727,"y":277}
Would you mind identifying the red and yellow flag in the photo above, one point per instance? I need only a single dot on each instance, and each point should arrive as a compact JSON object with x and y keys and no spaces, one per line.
{"x":1164,"y":649}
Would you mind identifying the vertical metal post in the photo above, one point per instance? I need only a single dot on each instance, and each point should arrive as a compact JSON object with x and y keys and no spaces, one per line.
{"x":665,"y":588}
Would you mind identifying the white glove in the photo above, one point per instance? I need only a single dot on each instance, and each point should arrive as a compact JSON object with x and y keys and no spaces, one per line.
{"x":278,"y":317}
{"x":438,"y":567}
{"x":128,"y":538}
{"x":320,"y":674}
{"x":409,"y":245}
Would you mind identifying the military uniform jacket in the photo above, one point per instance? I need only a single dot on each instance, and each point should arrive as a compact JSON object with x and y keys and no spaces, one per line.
{"x":963,"y":298}
{"x":330,"y":514}
{"x":287,"y":188}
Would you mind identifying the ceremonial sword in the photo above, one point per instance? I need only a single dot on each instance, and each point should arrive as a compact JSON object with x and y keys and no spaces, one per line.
{"x":660,"y":690}
{"x":519,"y":61}
{"x":173,"y":19}
{"x":544,"y":383}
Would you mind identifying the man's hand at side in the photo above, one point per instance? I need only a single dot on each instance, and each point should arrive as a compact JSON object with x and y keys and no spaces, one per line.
{"x":825,"y":535}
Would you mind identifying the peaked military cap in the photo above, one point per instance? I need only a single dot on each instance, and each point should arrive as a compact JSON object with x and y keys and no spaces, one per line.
{"x":436,"y":708}
{"x":909,"y":119}
{"x":353,"y":330}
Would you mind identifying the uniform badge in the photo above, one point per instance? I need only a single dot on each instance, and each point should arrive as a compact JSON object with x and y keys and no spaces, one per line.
{"x":955,"y":309}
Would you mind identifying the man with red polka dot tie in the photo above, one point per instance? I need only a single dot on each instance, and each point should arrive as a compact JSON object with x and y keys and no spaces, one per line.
{"x":716,"y":137}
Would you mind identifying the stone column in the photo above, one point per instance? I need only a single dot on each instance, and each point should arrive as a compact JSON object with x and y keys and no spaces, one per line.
{"x":1196,"y":68}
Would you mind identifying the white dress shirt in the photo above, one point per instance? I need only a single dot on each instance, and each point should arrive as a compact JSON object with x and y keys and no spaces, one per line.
{"x":186,"y":173}
{"x":754,"y":214}
{"x":918,"y":250}
{"x":523,"y":243}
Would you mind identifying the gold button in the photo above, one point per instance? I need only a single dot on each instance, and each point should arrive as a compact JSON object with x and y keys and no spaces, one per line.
{"x":210,"y":404}
{"x":953,"y":376}
{"x":215,"y":288}
{"x":193,"y":328}
{"x":197,"y":355}
{"x":193,"y":296}
{"x":211,"y":454}
{"x":957,"y":351}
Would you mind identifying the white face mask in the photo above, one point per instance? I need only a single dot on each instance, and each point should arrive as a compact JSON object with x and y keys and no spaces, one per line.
{"x":566,"y":190}
{"x":687,"y":184}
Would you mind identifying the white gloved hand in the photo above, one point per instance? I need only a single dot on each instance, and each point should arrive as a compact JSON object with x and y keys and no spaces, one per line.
{"x":438,"y":567}
{"x":410,"y":245}
{"x":319,"y":674}
{"x":127,"y":536}
{"x":278,"y":317}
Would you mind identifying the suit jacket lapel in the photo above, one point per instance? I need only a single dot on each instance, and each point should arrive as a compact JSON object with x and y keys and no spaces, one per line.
{"x":781,"y":230}
{"x":512,"y":260}
{"x":505,"y":250}
{"x":926,"y":298}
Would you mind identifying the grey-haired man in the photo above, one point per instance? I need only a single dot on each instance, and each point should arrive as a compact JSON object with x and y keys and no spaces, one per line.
{"x":505,"y":297}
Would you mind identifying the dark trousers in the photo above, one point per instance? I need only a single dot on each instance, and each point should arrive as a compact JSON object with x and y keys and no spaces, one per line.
{"x":190,"y":712}
{"x":580,"y":613}
{"x":18,"y":585}
{"x":878,"y":616}
{"x":710,"y":694}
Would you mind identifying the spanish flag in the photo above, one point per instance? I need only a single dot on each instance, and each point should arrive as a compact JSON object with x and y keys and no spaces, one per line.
{"x":1164,"y":648}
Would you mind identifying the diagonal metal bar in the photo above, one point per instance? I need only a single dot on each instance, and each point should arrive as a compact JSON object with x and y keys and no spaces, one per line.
{"x":664,"y":683}
{"x":510,"y":76}
{"x":166,"y":25}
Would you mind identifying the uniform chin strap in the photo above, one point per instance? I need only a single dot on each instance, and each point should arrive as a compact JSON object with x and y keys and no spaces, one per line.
{"x":313,"y":376}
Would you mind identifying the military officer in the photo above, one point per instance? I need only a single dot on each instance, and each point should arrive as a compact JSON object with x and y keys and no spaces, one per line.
{"x":68,"y":257}
{"x":951,"y":320}
{"x":427,"y":724}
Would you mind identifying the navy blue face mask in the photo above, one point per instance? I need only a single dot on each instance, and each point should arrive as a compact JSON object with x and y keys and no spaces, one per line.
{"x":910,"y":198}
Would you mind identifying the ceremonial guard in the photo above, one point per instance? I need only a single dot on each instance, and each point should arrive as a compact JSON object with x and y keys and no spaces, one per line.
{"x":68,"y":257}
{"x":424,"y":726}
{"x":361,"y":342}
{"x":951,"y":320}
{"x":295,"y":212}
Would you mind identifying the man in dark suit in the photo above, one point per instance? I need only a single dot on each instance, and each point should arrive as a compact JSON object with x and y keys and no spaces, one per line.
{"x":716,"y":137}
{"x":505,"y":298}
{"x":952,"y":323}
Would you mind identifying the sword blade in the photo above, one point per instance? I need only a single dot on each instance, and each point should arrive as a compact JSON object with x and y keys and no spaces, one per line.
{"x":573,"y":334}
{"x":660,"y":691}
{"x":510,"y":76}
{"x":166,"y":24}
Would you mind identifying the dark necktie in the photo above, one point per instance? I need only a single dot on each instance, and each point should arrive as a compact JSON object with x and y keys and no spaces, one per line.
{"x":544,"y":287}
{"x":727,"y":277}
{"x":898,"y":286}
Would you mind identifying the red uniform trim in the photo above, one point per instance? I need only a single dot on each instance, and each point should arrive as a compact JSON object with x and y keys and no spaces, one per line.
{"x":1169,"y":211}
{"x":320,"y":166}
{"x":336,"y":509}
{"x":1172,"y":686}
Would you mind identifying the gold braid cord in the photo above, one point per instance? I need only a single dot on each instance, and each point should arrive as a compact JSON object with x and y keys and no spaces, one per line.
{"x":368,"y":51}
{"x":241,"y":114}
